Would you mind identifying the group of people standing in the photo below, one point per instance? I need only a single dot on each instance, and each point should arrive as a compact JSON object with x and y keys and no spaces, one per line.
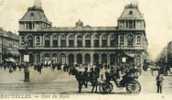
{"x":97,"y":74}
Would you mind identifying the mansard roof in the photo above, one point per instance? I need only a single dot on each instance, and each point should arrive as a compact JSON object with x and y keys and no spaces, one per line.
{"x":83,"y":29}
{"x":131,"y":11}
{"x":35,"y":14}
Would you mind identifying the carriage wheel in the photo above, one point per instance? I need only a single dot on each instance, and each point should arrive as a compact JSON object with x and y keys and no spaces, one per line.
{"x":133,"y":87}
{"x":107,"y":88}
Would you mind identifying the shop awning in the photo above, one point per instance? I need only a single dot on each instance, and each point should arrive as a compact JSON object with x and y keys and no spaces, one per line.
{"x":10,"y":60}
{"x":13,"y":51}
{"x":130,"y":55}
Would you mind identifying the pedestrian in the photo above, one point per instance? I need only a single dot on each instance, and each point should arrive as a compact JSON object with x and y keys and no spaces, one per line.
{"x":86,"y":77}
{"x":79,"y":76}
{"x":159,"y":82}
{"x":94,"y":80}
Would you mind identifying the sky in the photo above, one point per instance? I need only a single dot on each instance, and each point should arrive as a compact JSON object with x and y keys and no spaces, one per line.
{"x":157,"y":14}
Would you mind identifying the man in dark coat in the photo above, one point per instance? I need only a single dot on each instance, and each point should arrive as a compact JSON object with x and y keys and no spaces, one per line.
{"x":159,"y":82}
{"x":80,"y":78}
{"x":86,"y":77}
{"x":94,"y":77}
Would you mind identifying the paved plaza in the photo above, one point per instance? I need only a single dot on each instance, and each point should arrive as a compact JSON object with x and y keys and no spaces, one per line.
{"x":59,"y":82}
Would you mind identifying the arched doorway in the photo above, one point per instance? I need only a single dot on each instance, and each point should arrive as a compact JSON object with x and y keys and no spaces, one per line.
{"x":112,"y":59}
{"x":47,"y":59}
{"x":104,"y":59}
{"x":63,"y":58}
{"x":71,"y":59}
{"x":87,"y":59}
{"x":96,"y":58}
{"x":54,"y":58}
{"x":79,"y":59}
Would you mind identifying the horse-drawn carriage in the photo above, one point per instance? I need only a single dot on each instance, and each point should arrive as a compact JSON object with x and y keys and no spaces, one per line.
{"x":128,"y":81}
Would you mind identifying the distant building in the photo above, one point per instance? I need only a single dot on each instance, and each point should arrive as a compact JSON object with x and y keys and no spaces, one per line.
{"x":84,"y":44}
{"x":9,"y":43}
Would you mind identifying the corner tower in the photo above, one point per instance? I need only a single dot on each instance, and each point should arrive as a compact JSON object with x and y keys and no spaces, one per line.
{"x":131,"y":18}
{"x":34,"y":19}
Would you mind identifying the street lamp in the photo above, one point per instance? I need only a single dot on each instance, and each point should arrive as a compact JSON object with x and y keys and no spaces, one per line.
{"x":26,"y":60}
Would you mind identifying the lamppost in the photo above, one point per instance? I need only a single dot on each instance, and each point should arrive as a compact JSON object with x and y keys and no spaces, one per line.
{"x":2,"y":48}
{"x":26,"y":60}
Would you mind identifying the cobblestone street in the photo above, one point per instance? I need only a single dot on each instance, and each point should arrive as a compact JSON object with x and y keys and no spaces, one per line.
{"x":55,"y":82}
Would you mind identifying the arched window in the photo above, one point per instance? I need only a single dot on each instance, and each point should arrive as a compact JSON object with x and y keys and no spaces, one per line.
{"x":104,"y":59}
{"x":71,"y":40}
{"x":88,"y":40}
{"x":113,"y":59}
{"x":138,"y":42}
{"x":104,"y":40}
{"x":79,"y":58}
{"x":37,"y":40}
{"x":96,"y":58}
{"x":87,"y":59}
{"x":55,"y":41}
{"x":63,"y":58}
{"x":54,"y":58}
{"x":114,"y":40}
{"x":96,"y":40}
{"x":47,"y":41}
{"x":121,"y":40}
{"x":63,"y":41}
{"x":79,"y":40}
{"x":30,"y":41}
{"x":71,"y":59}
{"x":47,"y":58}
{"x":130,"y":40}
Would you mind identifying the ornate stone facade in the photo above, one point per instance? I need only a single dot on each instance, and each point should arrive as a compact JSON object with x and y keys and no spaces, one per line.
{"x":84,"y":44}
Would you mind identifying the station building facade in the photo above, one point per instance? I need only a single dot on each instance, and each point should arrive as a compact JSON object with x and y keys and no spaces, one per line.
{"x":84,"y":44}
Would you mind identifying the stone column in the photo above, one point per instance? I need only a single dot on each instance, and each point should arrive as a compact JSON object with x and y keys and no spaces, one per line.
{"x":100,"y":58}
{"x":67,"y":41}
{"x":35,"y":60}
{"x":51,"y":40}
{"x":92,"y":40}
{"x":125,"y":41}
{"x":118,"y":40}
{"x":83,"y":42}
{"x":59,"y":41}
{"x":43,"y":40}
{"x":91,"y":58}
{"x":75,"y":59}
{"x":83,"y":58}
{"x":75,"y":41}
{"x":108,"y":58}
{"x":67,"y":59}
{"x":100,"y":40}
{"x":109,"y":39}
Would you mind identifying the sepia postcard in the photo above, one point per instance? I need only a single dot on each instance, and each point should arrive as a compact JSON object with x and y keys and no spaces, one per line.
{"x":86,"y":49}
